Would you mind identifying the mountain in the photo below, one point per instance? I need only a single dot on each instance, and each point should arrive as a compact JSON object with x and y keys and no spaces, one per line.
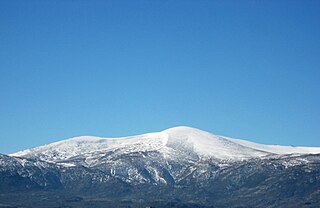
{"x":178,"y":167}
{"x":171,"y":142}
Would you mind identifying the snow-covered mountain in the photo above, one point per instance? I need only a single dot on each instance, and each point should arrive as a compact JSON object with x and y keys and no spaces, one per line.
{"x":178,"y":165}
{"x":170,"y":142}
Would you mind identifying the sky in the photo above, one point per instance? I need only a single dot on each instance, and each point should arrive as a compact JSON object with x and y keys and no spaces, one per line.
{"x":245,"y":69}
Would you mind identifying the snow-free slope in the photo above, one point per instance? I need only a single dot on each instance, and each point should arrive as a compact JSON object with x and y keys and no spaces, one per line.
{"x":170,"y":142}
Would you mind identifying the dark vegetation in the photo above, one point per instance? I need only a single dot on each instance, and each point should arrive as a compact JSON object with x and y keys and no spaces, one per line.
{"x":282,"y":182}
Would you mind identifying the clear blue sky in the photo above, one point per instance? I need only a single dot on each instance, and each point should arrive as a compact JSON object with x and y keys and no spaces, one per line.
{"x":244,"y":69}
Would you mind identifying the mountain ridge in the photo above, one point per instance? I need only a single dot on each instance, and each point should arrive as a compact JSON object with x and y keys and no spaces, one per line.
{"x":181,"y":137}
{"x":177,"y":167}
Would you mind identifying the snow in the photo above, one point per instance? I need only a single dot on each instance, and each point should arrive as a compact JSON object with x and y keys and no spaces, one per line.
{"x":207,"y":144}
{"x":171,"y":142}
{"x":67,"y":164}
{"x":86,"y":144}
{"x":277,"y":149}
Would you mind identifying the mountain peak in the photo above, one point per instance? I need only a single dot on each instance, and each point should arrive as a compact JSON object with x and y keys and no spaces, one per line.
{"x":176,"y":142}
{"x":182,"y":129}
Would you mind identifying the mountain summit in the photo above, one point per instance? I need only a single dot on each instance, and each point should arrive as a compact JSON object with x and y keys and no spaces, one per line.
{"x":170,"y":142}
{"x":177,"y":167}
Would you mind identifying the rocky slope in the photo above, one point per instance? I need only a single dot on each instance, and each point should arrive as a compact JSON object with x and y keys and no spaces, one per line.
{"x":180,"y":166}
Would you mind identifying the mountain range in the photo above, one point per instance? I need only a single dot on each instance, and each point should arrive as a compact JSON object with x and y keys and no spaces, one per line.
{"x":177,"y":167}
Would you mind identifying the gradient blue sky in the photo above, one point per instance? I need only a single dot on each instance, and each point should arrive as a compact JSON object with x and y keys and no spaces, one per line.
{"x":244,"y":69}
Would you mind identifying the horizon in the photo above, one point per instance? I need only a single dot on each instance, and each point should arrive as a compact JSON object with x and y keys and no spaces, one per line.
{"x":147,"y":133}
{"x":246,"y":70}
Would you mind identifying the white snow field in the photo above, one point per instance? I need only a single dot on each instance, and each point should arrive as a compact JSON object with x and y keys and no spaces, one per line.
{"x":169,"y":142}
